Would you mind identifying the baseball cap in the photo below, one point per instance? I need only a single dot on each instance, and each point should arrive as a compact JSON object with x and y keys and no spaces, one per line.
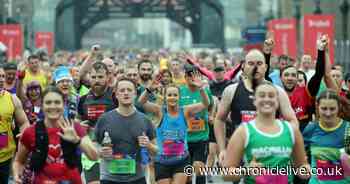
{"x":189,"y":68}
{"x":62,"y":73}
{"x":10,"y":66}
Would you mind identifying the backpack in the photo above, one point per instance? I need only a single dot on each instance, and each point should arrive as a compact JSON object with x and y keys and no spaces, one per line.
{"x":39,"y":155}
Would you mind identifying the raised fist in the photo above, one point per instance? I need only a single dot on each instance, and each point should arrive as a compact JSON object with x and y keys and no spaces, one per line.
{"x":322,"y":42}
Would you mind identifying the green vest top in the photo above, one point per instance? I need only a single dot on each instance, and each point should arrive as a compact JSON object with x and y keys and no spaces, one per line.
{"x":271,"y":150}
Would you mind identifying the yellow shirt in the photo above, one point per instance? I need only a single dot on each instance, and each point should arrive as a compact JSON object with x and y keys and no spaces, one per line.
{"x":8,"y":145}
{"x":41,"y":78}
{"x":179,"y":81}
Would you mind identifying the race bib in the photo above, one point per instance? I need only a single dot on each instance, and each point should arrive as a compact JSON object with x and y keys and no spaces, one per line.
{"x":3,"y":140}
{"x":122,"y":165}
{"x":196,"y":125}
{"x":95,"y":111}
{"x":247,"y":116}
{"x":36,"y":109}
{"x":173,"y":148}
{"x":329,"y":170}
{"x":271,"y":179}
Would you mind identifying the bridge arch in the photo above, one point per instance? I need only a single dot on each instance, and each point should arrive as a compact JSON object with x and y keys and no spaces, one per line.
{"x":204,"y":19}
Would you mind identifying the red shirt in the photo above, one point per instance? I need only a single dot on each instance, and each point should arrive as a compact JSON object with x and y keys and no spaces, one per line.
{"x":55,"y":168}
{"x":302,"y":103}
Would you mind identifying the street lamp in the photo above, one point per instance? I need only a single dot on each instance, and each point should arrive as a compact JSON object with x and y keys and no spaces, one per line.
{"x":318,"y":7}
{"x":297,"y":14}
{"x":344,"y":9}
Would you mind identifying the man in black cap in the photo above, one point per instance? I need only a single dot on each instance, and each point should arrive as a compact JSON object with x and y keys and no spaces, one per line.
{"x":198,"y":126}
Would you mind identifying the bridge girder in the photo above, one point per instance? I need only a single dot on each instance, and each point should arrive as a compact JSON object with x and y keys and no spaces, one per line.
{"x":75,"y":17}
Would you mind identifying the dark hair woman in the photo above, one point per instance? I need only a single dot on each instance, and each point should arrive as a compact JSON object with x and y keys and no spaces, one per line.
{"x":53,"y":145}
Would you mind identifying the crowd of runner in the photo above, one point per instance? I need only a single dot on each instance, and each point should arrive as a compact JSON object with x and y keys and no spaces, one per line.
{"x":140,"y":117}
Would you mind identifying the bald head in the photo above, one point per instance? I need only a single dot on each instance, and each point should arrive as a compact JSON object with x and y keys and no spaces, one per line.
{"x":110,"y":64}
{"x":255,"y":66}
{"x":255,"y":55}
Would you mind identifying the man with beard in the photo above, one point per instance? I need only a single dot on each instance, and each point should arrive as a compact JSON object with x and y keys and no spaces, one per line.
{"x":91,"y":106}
{"x":10,"y":83}
{"x":302,"y":98}
{"x":237,"y":99}
{"x":145,"y":68}
{"x":10,"y":110}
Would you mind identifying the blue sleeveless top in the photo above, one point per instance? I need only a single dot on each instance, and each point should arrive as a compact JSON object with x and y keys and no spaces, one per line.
{"x":172,"y":138}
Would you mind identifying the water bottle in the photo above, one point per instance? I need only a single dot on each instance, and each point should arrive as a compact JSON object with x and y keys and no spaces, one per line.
{"x":107,"y":141}
{"x":145,"y":158}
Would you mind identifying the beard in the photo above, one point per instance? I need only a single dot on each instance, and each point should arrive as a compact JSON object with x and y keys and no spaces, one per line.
{"x":145,"y":77}
{"x":99,"y":87}
{"x":288,"y":89}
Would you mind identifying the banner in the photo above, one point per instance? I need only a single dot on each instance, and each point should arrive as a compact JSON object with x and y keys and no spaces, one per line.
{"x":285,"y":36}
{"x":11,"y":36}
{"x":314,"y":27}
{"x":45,"y":40}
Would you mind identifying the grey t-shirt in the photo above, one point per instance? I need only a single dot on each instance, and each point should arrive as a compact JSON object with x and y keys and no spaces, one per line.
{"x":123,"y":132}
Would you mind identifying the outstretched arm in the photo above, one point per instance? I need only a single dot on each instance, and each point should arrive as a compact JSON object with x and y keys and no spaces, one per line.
{"x":209,"y":74}
{"x":314,"y":84}
{"x":267,"y":49}
{"x":233,"y":72}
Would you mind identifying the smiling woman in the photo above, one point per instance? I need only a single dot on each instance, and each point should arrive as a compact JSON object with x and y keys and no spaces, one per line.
{"x":173,"y":152}
{"x":281,"y":141}
{"x":326,"y":139}
{"x":53,"y":144}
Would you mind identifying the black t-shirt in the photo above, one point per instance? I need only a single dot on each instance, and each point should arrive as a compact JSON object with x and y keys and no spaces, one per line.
{"x":91,"y":107}
{"x":217,"y":88}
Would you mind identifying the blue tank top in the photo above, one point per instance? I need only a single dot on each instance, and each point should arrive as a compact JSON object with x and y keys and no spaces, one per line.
{"x":172,"y":138}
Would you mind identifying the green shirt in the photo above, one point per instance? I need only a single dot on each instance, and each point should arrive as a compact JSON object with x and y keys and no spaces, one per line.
{"x":271,"y":150}
{"x":188,"y":97}
{"x":323,"y":87}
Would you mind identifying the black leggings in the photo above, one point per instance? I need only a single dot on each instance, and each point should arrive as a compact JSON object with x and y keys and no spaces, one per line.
{"x":139,"y":181}
{"x":5,"y":171}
